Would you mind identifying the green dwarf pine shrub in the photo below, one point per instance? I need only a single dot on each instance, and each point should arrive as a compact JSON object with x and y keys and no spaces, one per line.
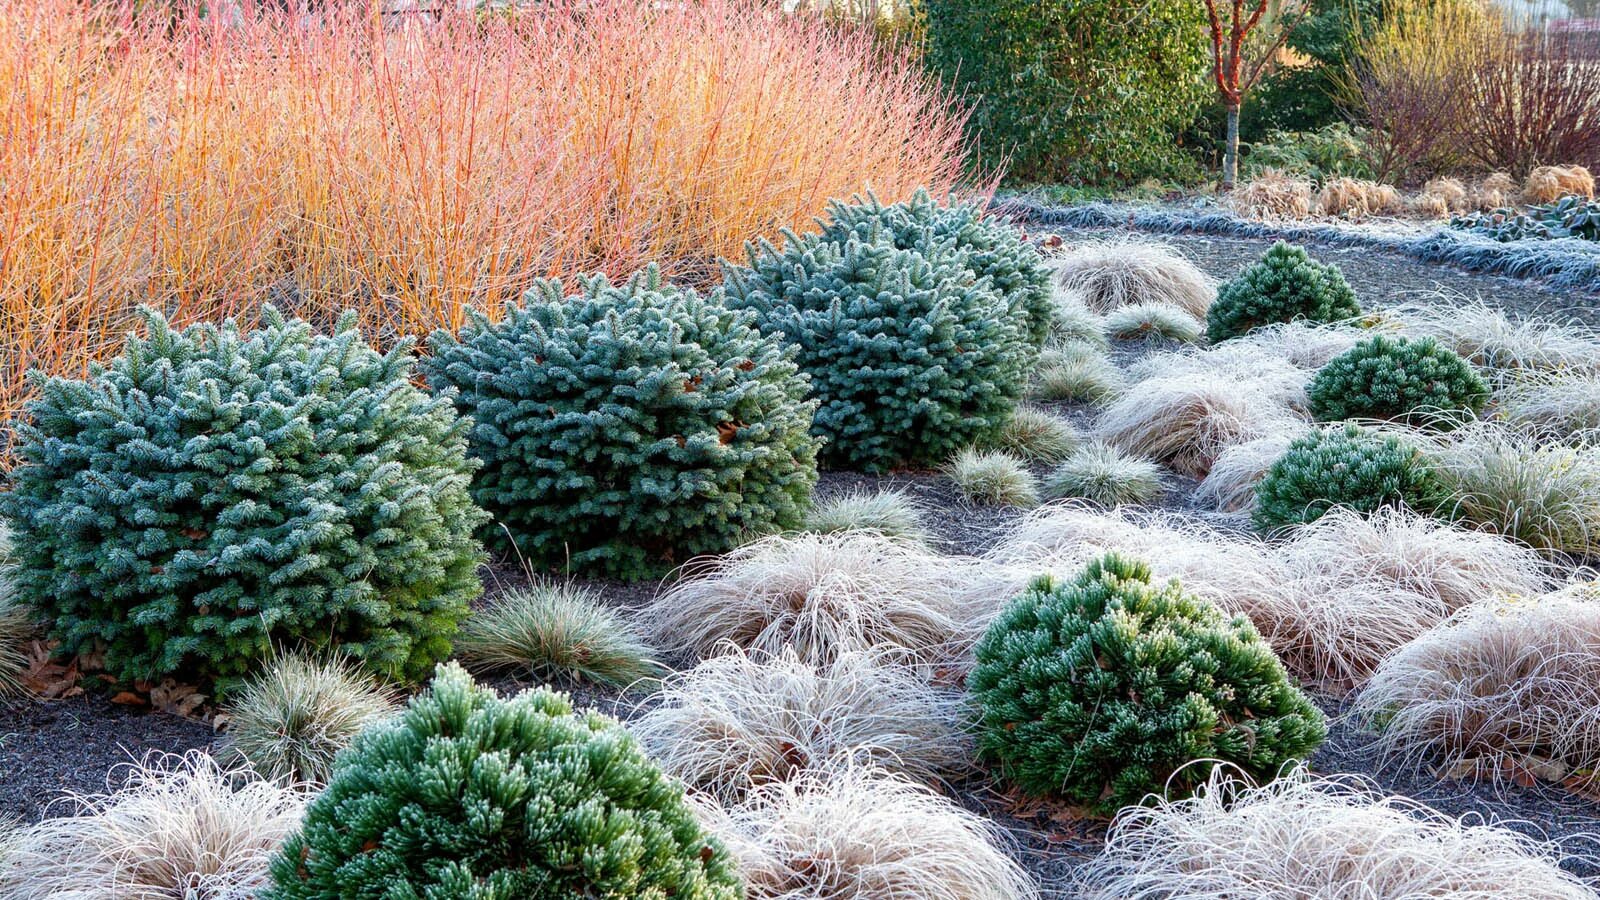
{"x":910,"y":357}
{"x":467,"y":796}
{"x":1399,"y":379}
{"x":212,"y":494}
{"x":992,"y":247}
{"x":629,"y":427}
{"x":1349,"y":466}
{"x":1285,"y":285}
{"x":1106,"y":688}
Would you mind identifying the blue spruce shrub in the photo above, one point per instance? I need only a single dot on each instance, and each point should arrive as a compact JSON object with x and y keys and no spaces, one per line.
{"x":991,"y":246}
{"x":213,"y":493}
{"x":467,"y":796}
{"x":1106,"y":688}
{"x":910,"y":356}
{"x":1399,"y":379}
{"x":1285,"y":285}
{"x":1350,"y":466}
{"x":629,"y":427}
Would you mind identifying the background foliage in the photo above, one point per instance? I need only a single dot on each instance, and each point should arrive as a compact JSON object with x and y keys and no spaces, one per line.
{"x":413,"y":173}
{"x":1083,"y":90}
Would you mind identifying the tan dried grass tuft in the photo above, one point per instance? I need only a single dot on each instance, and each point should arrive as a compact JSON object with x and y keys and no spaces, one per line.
{"x":1332,"y":603}
{"x":1547,"y":184}
{"x":1039,"y":435}
{"x":1258,"y":369}
{"x":738,"y":721}
{"x":1489,"y":339}
{"x":822,"y":595}
{"x":178,"y":827}
{"x":291,"y":720}
{"x":1495,"y":191}
{"x":993,"y":478}
{"x":1554,"y":404}
{"x":1304,"y":345}
{"x":1230,"y":486}
{"x":16,"y":625}
{"x":1363,"y":586}
{"x":1503,"y":480}
{"x":1505,"y":688}
{"x":857,"y":834}
{"x":556,"y":631}
{"x":1271,"y":195}
{"x":1073,"y":322}
{"x":1441,"y":197}
{"x":1107,"y":476}
{"x":1356,"y":198}
{"x":1304,"y":836}
{"x":1187,"y":421}
{"x":1153,"y":321}
{"x":1110,"y":274}
{"x":1077,"y":373}
{"x":892,"y":513}
{"x":1237,"y":572}
{"x":1414,"y":552}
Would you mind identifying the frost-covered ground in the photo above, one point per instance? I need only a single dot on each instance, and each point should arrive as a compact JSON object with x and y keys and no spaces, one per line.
{"x":1564,"y":264}
{"x":48,"y":748}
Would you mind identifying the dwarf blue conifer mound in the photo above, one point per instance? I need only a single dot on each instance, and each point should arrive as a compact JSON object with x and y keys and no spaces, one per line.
{"x":214,"y":493}
{"x":992,"y":247}
{"x":1403,"y":380}
{"x":910,"y":356}
{"x":626,"y":428}
{"x":1345,"y":465}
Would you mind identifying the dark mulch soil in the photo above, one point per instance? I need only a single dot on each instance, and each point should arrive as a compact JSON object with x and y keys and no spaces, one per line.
{"x":47,"y":748}
{"x":75,"y":746}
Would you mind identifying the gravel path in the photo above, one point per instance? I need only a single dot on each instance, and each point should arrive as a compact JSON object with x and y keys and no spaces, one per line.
{"x":47,"y":748}
{"x":1385,"y":279}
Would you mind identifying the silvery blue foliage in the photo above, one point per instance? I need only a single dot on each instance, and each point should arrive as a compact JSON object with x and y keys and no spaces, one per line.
{"x":213,"y":493}
{"x":625,"y":428}
{"x":992,"y":247}
{"x":910,"y":356}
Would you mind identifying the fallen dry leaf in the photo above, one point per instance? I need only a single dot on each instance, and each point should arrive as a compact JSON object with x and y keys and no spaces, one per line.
{"x":177,"y":699}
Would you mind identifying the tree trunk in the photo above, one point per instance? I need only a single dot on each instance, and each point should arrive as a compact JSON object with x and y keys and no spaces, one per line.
{"x":1230,"y":154}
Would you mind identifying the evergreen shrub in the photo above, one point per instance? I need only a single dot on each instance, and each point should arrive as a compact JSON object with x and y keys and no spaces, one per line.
{"x":910,"y":356}
{"x":1085,"y":91}
{"x":1350,"y":466}
{"x":1285,"y":285}
{"x":1399,"y":379}
{"x":627,"y":428}
{"x":1106,"y":688}
{"x":468,"y":796}
{"x":213,"y":493}
{"x":992,"y":247}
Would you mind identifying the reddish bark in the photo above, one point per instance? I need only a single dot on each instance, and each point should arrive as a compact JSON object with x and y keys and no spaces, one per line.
{"x":1228,"y":67}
